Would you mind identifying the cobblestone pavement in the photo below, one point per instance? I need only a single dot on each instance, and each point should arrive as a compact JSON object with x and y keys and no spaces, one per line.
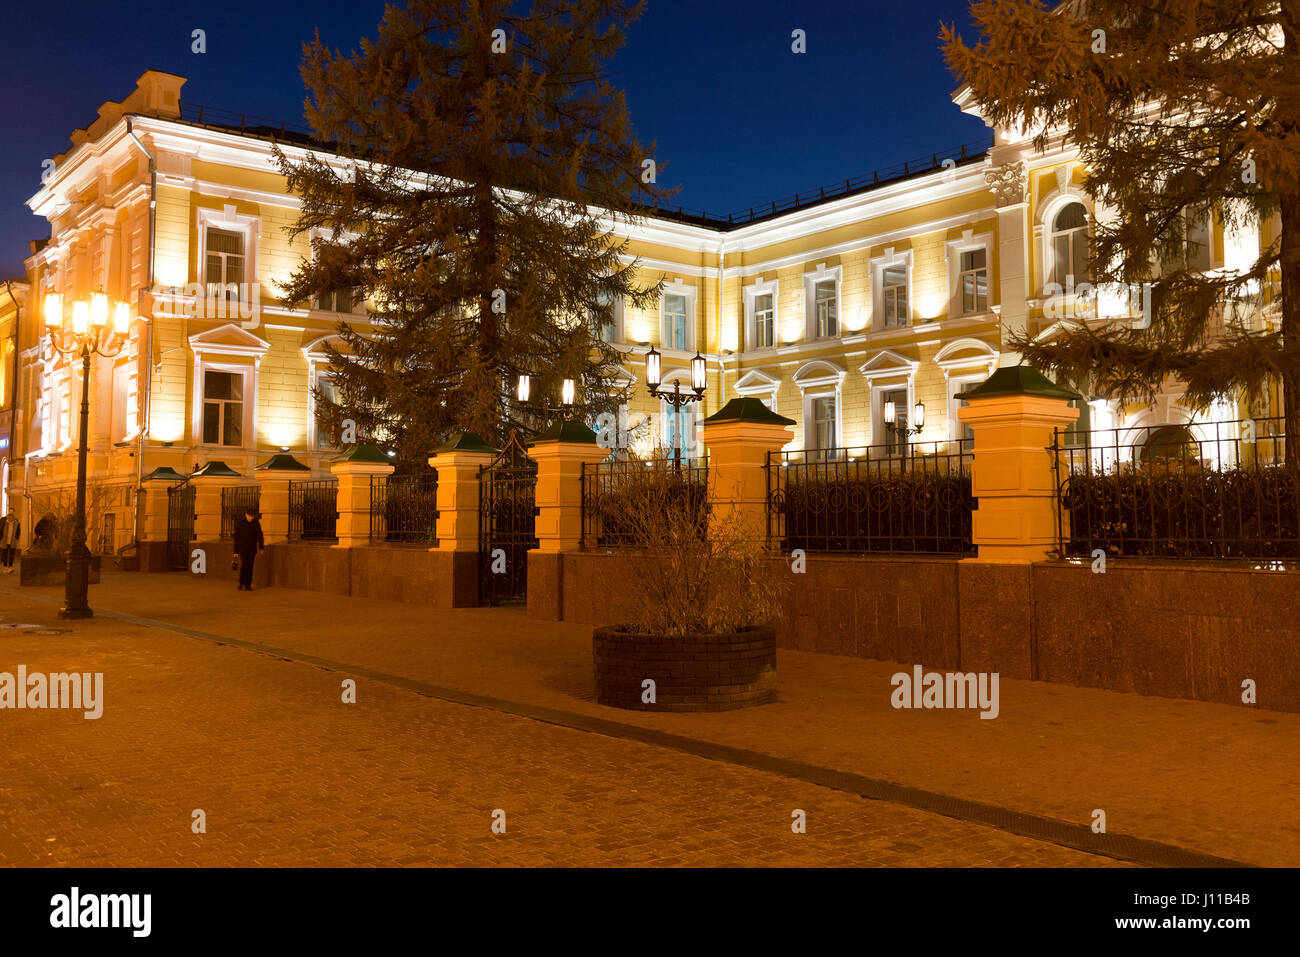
{"x":288,"y":774}
{"x":1210,"y":778}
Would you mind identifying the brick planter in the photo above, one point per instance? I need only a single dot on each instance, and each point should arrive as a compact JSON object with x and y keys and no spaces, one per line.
{"x":694,"y":673}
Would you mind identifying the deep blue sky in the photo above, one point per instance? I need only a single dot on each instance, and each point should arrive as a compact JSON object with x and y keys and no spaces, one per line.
{"x":739,"y":118}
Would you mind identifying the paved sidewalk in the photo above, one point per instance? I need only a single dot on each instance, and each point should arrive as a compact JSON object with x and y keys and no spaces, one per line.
{"x":1210,"y":778}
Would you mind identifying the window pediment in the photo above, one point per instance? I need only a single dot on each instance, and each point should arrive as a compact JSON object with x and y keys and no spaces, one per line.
{"x":229,"y":339}
{"x":887,"y":363}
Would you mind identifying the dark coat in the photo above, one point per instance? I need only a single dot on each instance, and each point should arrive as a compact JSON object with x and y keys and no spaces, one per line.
{"x":248,"y":537}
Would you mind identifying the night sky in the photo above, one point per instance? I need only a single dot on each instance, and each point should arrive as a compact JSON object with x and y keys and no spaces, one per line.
{"x":738,"y":117}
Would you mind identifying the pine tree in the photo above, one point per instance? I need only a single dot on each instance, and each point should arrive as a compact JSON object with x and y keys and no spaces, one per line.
{"x":1180,"y":109}
{"x":484,"y":161}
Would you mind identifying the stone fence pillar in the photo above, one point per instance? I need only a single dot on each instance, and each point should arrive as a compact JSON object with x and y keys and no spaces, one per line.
{"x":274,"y":477}
{"x":560,"y":453}
{"x":456,"y":569}
{"x":1013,"y":415}
{"x":739,"y":437}
{"x":354,"y":469}
{"x":208,"y":481}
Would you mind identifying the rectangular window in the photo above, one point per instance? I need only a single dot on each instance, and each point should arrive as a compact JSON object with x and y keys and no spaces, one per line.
{"x":65,"y":412}
{"x":603,"y":319}
{"x":329,"y":392}
{"x":825,"y":435}
{"x":1198,"y":243}
{"x":339,"y":300}
{"x":121,"y":391}
{"x":764,"y":321}
{"x":895,"y":438}
{"x":826,"y":308}
{"x":974,"y":281}
{"x":675,"y":321}
{"x":964,"y":433}
{"x":223,"y":408}
{"x":680,"y":434}
{"x":6,"y":364}
{"x":893,"y":291}
{"x":225,"y":263}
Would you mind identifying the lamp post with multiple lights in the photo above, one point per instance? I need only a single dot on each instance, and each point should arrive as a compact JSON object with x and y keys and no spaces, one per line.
{"x":675,"y":397}
{"x":524,"y":391}
{"x":85,"y":335}
{"x":903,"y":431}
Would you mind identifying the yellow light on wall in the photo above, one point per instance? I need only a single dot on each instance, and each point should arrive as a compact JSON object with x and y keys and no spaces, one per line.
{"x":122,"y":319}
{"x":80,"y":317}
{"x":930,"y":305}
{"x":98,"y":310}
{"x":282,"y":435}
{"x":890,"y":413}
{"x":167,"y":428}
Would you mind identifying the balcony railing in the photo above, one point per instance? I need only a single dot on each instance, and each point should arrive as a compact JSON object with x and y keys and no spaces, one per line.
{"x":403,"y":509}
{"x":903,"y":498}
{"x":313,"y":510}
{"x":1203,"y":491}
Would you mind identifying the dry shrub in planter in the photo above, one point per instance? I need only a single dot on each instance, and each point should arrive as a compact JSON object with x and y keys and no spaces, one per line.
{"x":706,"y":597}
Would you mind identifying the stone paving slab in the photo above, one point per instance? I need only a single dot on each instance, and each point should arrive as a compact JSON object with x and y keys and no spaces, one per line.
{"x":288,"y":774}
{"x":1214,"y":779}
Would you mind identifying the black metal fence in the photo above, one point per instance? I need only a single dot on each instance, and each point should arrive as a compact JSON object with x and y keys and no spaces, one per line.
{"x":615,"y":492}
{"x":872,"y":499}
{"x":403,"y":509}
{"x":1211,"y":491}
{"x":235,"y":501}
{"x":313,"y":510}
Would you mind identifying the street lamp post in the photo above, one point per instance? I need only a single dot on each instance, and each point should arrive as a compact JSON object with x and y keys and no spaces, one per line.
{"x":905,"y":432}
{"x":87,"y":335}
{"x":523,"y":394}
{"x":675,"y":397}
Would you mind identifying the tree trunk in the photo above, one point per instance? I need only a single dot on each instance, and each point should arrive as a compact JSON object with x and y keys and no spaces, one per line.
{"x":1289,"y":120}
{"x":1290,"y":264}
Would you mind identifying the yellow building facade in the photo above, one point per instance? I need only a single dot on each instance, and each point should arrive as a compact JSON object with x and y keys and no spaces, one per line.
{"x":902,"y":291}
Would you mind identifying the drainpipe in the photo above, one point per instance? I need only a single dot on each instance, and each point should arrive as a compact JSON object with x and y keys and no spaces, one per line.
{"x":147,"y":346}
{"x":722,"y":358}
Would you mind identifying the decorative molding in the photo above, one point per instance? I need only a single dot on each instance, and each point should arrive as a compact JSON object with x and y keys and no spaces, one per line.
{"x":1009,"y":183}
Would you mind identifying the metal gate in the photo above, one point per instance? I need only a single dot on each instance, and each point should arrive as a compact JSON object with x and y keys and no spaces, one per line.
{"x":180,"y":526}
{"x":507,"y":516}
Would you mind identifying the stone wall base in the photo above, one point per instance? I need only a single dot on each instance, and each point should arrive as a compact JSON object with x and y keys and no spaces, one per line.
{"x":1179,"y":631}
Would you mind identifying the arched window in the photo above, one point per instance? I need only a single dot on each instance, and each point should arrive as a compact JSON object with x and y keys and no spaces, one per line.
{"x":1070,"y":245}
{"x":1170,"y":443}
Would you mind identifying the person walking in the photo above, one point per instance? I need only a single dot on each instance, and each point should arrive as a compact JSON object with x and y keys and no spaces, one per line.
{"x":10,"y":531}
{"x":248,"y":542}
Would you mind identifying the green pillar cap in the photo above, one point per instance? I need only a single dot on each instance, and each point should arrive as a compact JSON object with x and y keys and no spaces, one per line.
{"x":216,"y":468}
{"x":567,"y":432}
{"x":1017,"y":380}
{"x":747,"y":408}
{"x":366,"y":454}
{"x":465,"y":442}
{"x":282,"y":462}
{"x":164,"y":472}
